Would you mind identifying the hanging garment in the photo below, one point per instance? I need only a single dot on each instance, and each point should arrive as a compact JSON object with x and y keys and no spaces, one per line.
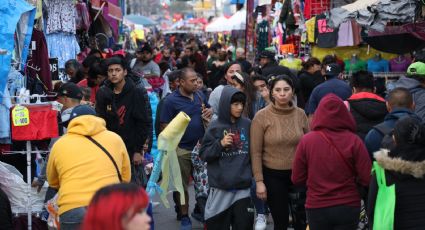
{"x":378,"y":65}
{"x":345,"y":34}
{"x":62,"y":14}
{"x":15,"y":82}
{"x":315,"y":7}
{"x":311,"y":27}
{"x":263,"y":35}
{"x":63,"y":46}
{"x":326,"y":36}
{"x":4,"y":114}
{"x":354,"y":66}
{"x":39,"y":58}
{"x":10,"y":12}
{"x":400,"y":64}
{"x":83,"y":16}
{"x":43,"y":124}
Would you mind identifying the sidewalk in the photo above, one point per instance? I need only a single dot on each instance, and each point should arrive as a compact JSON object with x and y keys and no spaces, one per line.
{"x":165,"y":219}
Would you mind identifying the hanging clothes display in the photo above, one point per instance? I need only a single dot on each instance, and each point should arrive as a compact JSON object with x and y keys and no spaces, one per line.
{"x":83,"y":16}
{"x":40,"y":58}
{"x":4,"y":117}
{"x":263,"y":35}
{"x":400,"y":64}
{"x":326,"y":36}
{"x":62,"y":14}
{"x":63,"y":46}
{"x":10,"y":13}
{"x":345,"y":34}
{"x":42,"y":124}
{"x":381,"y":65}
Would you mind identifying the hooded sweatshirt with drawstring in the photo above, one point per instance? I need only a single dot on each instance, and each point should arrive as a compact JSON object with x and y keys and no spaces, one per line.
{"x":229,"y":169}
{"x":325,"y":172}
{"x":78,"y":168}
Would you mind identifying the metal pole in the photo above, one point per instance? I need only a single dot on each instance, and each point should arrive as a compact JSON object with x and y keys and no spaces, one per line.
{"x":29,"y":204}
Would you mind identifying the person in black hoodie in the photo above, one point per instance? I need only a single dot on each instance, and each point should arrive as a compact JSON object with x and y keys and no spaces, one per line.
{"x":367,"y":108}
{"x":310,"y":77}
{"x":225,"y":148}
{"x":404,"y":167}
{"x":123,"y":105}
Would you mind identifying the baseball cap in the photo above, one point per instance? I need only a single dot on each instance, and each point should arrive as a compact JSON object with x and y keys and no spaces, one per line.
{"x":417,"y":68}
{"x":267,"y":54}
{"x":81,"y":110}
{"x":333,"y":69}
{"x":70,"y":90}
{"x":145,"y":48}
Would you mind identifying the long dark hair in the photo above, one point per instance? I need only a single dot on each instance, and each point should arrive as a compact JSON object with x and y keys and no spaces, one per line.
{"x":249,"y":90}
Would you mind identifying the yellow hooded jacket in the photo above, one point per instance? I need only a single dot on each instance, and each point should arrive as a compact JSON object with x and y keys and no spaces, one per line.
{"x":78,"y":168}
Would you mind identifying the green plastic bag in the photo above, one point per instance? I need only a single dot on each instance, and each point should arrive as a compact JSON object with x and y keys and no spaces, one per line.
{"x":383,"y":218}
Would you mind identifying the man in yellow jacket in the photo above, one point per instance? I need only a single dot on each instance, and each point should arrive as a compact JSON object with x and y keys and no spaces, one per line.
{"x":77,"y":167}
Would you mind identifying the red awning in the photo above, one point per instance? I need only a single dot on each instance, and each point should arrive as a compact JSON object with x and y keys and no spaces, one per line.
{"x":114,"y":11}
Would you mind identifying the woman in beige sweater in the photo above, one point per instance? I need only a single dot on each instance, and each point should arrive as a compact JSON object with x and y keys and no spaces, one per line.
{"x":275,"y":133}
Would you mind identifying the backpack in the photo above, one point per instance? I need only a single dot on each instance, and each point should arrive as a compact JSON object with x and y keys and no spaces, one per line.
{"x":387,"y":132}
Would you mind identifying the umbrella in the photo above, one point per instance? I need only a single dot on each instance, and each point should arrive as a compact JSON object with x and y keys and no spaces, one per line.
{"x":140,"y":20}
{"x":238,"y":20}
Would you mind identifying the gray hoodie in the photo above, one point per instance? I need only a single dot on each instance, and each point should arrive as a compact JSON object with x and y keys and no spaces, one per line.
{"x":418,"y":93}
{"x":228,"y":168}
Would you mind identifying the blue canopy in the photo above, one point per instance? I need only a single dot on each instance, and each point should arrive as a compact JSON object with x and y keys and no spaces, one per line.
{"x":140,"y":20}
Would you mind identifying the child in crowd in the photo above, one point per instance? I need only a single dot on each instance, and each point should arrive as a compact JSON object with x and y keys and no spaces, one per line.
{"x":225,"y":148}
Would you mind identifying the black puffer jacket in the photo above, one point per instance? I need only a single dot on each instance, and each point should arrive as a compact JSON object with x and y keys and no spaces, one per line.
{"x":368,"y":110}
{"x":408,"y":177}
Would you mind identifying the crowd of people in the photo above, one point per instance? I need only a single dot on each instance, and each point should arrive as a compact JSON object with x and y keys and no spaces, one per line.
{"x":300,"y":146}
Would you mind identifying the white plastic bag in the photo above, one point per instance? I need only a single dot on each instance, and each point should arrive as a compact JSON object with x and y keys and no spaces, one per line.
{"x":16,"y":189}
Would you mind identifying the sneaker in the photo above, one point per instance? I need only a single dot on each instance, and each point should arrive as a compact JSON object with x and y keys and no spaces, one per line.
{"x":186,"y":223}
{"x":260,"y":222}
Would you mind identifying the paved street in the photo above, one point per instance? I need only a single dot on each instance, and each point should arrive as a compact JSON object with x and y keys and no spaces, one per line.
{"x":165,"y":219}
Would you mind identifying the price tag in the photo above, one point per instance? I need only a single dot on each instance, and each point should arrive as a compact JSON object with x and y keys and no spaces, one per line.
{"x":20,"y":116}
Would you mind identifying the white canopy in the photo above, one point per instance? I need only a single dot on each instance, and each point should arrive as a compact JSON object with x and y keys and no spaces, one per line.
{"x":238,"y":20}
{"x":219,"y":25}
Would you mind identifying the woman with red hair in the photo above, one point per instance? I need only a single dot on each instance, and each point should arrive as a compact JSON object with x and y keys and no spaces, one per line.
{"x":118,"y":207}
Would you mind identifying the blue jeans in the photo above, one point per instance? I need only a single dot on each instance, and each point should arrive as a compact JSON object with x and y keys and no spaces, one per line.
{"x":72,"y":219}
{"x":259,"y":204}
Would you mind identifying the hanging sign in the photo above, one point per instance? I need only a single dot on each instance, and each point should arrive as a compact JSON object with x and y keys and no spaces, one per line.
{"x":54,"y":68}
{"x":20,"y":116}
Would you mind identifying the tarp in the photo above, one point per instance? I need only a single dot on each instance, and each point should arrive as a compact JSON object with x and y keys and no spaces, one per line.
{"x":374,"y":14}
{"x":408,"y":37}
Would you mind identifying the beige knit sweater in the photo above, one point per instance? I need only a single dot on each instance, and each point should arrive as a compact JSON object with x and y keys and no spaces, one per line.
{"x":275,"y":134}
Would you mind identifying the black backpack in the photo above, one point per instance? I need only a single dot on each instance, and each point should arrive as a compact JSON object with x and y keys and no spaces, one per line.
{"x":387,"y":141}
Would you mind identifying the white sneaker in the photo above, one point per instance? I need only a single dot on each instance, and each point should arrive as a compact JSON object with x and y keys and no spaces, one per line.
{"x":260,"y":222}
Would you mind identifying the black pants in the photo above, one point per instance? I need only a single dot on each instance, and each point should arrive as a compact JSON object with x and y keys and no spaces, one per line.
{"x":240,"y":216}
{"x":277,"y":183}
{"x":333,"y":218}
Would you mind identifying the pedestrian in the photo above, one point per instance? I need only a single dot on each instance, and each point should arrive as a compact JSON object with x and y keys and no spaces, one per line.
{"x":333,"y":84}
{"x":399,"y":104}
{"x":118,"y":207}
{"x":229,"y":72}
{"x":83,"y":160}
{"x":415,"y":83}
{"x":121,"y":103}
{"x":188,"y":99}
{"x":241,"y":58}
{"x":403,"y":168}
{"x":332,"y":162}
{"x":225,"y":148}
{"x":367,"y":108}
{"x":254,"y":101}
{"x":143,"y":64}
{"x":310,"y":76}
{"x":275,"y":133}
{"x":260,"y":84}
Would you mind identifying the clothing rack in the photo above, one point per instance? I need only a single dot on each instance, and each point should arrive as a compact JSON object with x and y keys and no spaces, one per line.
{"x":28,"y":153}
{"x":386,"y":75}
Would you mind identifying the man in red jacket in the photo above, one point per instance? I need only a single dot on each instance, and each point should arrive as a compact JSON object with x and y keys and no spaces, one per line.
{"x":332,"y":161}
